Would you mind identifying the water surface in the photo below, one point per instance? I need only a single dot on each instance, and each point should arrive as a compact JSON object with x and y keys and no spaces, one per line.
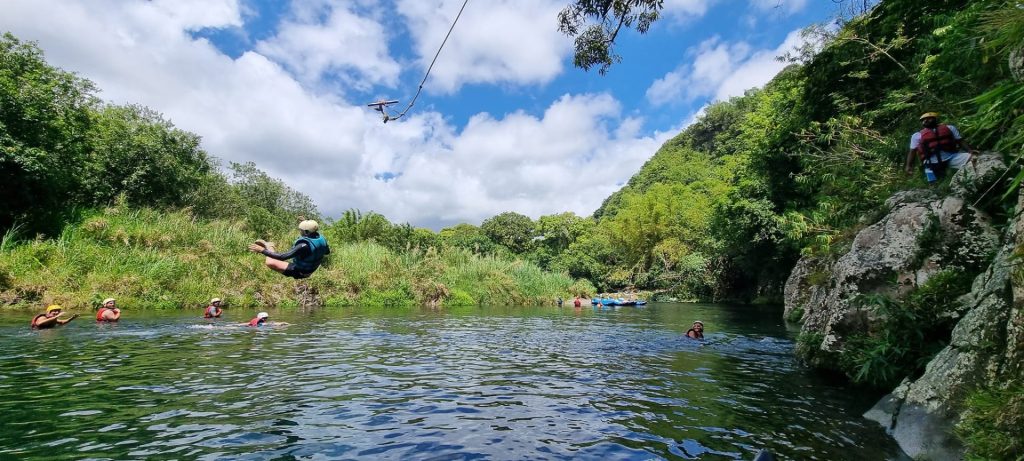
{"x":481,"y":383}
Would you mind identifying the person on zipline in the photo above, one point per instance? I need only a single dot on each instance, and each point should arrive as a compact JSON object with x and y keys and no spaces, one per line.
{"x":939,"y":146}
{"x":306,"y":254}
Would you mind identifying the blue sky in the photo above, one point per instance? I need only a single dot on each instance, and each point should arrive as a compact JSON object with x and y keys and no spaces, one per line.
{"x":505,"y":123}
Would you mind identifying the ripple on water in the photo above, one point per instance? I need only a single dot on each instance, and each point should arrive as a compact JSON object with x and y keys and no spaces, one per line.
{"x":542,"y":384}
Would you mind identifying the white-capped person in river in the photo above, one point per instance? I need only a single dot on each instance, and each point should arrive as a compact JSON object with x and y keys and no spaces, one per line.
{"x":51,"y":318}
{"x":108,"y":311}
{"x":213,"y":310}
{"x":306,"y":253}
{"x":263,"y":319}
{"x":696,"y":331}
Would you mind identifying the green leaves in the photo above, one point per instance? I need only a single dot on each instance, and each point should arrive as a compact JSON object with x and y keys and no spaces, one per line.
{"x":595,"y":25}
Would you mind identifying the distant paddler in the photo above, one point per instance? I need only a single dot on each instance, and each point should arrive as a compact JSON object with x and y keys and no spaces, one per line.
{"x":108,"y":311}
{"x":306,"y":254}
{"x":51,"y":318}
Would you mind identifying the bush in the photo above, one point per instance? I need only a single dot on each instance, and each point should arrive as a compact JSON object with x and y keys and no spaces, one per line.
{"x":992,"y":422}
{"x":910,"y":333}
{"x":459,"y":298}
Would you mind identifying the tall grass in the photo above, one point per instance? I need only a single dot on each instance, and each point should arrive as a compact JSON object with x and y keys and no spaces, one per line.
{"x":152,"y":259}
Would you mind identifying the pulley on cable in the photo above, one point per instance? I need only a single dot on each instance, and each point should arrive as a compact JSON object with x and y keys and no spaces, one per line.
{"x":382,"y":105}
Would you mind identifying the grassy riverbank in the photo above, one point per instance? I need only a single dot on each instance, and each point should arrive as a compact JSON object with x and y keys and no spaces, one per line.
{"x":153,"y":259}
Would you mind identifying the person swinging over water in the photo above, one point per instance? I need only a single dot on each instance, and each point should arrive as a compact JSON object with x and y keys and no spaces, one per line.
{"x":306,"y":254}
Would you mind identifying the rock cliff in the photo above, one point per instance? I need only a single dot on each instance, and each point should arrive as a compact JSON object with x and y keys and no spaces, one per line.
{"x":922,"y":234}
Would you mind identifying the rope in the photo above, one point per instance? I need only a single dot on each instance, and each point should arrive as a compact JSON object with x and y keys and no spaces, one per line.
{"x":422,"y":82}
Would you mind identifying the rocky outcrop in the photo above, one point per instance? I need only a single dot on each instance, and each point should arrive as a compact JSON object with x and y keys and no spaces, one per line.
{"x":921,"y":235}
{"x":890,"y":257}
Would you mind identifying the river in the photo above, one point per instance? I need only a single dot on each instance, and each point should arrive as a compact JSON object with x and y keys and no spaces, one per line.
{"x":481,"y":383}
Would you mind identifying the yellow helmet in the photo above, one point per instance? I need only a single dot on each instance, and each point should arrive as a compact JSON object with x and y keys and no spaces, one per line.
{"x":929,"y":115}
{"x":54,"y":307}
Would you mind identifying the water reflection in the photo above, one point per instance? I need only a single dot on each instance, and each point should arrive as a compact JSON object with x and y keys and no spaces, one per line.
{"x":494,"y":383}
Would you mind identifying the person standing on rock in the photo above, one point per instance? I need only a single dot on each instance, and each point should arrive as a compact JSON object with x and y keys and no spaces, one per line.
{"x":306,"y":254}
{"x":938,"y":146}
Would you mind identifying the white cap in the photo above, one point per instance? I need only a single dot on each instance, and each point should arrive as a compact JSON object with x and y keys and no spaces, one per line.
{"x":108,"y":300}
{"x":262,"y":315}
{"x":309,"y":225}
{"x":214,"y":300}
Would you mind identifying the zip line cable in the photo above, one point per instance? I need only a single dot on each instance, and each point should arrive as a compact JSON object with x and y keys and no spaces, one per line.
{"x":382,"y":105}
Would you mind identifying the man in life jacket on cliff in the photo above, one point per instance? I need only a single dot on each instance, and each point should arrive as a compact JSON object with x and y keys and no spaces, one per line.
{"x":938,"y":146}
{"x":51,"y":318}
{"x":306,"y":254}
{"x":213,"y":310}
{"x":108,"y":311}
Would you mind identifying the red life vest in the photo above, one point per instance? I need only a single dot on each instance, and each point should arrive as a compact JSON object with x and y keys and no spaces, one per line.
{"x":211,"y":312}
{"x":936,"y":140}
{"x":254,"y":322}
{"x":99,"y":315}
{"x":33,"y":324}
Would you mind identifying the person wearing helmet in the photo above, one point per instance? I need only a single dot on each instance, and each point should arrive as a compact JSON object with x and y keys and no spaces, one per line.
{"x":108,"y":311}
{"x":51,"y":318}
{"x":306,"y":254}
{"x":696,"y":331}
{"x":259,"y":320}
{"x":938,"y":146}
{"x":213,"y":310}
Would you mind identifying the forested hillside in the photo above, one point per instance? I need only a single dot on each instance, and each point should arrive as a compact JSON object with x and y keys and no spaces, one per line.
{"x":725,"y":208}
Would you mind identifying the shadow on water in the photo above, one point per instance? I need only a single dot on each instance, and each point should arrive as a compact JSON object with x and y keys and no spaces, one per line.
{"x":477,"y":383}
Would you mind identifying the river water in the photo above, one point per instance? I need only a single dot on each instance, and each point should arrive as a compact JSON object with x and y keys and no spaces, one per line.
{"x":483,"y":383}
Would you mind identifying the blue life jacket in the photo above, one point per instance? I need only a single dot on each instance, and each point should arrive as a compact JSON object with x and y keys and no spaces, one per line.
{"x":317,"y":247}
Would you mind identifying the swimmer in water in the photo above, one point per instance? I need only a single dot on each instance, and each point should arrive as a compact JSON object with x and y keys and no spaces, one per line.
{"x":261,"y":320}
{"x":696,"y":331}
{"x":51,"y":318}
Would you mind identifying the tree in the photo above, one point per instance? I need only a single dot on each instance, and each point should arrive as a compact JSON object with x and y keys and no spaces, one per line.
{"x":467,"y":236}
{"x":271,"y":206}
{"x":141,"y":156}
{"x":45,"y":116}
{"x":510,"y":230}
{"x":595,"y":24}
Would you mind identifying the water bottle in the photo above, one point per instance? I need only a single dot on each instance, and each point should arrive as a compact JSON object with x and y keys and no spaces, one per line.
{"x":929,"y":174}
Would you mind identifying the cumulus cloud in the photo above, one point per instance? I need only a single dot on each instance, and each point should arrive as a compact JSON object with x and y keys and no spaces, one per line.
{"x":333,"y":42}
{"x":686,"y":8}
{"x":421,"y":169}
{"x":720,"y":71}
{"x":498,"y":42}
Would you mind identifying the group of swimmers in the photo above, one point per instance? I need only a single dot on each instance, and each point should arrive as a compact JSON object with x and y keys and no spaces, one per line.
{"x":306,"y":255}
{"x":109,"y":313}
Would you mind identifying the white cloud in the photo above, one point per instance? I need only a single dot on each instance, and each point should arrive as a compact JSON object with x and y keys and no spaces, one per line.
{"x":252,"y":109}
{"x":337,"y":43}
{"x":720,"y":71}
{"x":500,"y":41}
{"x":686,"y":8}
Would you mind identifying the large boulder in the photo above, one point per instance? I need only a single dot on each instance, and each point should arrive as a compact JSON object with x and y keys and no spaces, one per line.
{"x":985,"y":350}
{"x":980,"y":178}
{"x":891,"y":257}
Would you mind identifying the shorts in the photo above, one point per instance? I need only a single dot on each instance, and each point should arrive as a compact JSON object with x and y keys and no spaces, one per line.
{"x":290,"y":271}
{"x":956,"y":159}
